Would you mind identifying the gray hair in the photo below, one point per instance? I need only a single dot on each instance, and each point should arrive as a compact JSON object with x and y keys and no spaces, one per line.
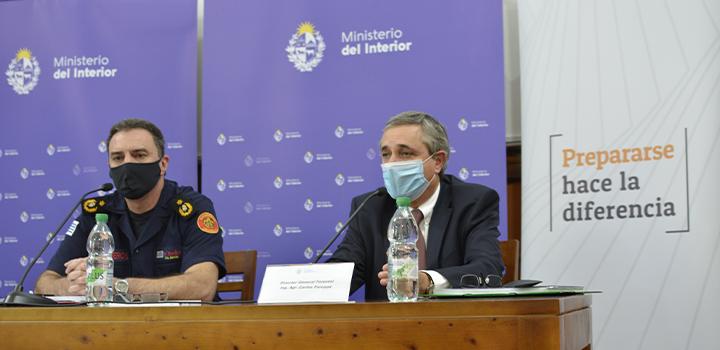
{"x":136,"y":123}
{"x":434,"y":135}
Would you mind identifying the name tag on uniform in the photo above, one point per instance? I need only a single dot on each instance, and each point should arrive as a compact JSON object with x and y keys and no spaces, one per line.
{"x":306,"y":283}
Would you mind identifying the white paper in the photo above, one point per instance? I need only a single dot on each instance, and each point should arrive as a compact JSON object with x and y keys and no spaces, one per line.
{"x":79,"y":299}
{"x":159,"y":304}
{"x":306,"y":283}
{"x":68,"y":299}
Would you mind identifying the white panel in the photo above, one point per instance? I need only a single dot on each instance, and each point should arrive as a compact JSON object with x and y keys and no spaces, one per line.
{"x":602,"y":75}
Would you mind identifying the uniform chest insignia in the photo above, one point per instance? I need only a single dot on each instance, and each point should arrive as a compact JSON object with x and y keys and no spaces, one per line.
{"x":207,"y":223}
{"x":185,"y":209}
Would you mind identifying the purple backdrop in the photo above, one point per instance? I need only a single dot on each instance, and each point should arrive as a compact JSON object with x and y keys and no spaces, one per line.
{"x":292,"y":113}
{"x":52,"y":137}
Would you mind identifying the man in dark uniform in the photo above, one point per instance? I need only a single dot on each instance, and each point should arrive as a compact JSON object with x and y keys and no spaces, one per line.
{"x":166,"y":236}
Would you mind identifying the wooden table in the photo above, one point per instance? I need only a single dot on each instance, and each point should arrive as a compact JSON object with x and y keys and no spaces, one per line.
{"x":497,"y":323}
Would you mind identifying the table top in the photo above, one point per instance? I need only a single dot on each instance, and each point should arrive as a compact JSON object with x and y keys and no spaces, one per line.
{"x":554,"y":305}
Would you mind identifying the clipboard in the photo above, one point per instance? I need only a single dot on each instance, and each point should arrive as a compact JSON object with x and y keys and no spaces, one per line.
{"x":508,"y":292}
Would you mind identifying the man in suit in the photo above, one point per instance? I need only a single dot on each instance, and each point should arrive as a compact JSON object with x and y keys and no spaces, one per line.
{"x":458,"y":221}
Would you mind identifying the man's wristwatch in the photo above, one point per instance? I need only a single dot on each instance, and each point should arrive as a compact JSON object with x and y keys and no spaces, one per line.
{"x":121,"y":286}
{"x":431,"y":286}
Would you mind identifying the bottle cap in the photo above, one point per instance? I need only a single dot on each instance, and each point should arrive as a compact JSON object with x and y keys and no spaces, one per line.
{"x":101,"y":217}
{"x":403,"y":201}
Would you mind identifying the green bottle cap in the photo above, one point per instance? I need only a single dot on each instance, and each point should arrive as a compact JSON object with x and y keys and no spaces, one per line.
{"x":403,"y":201}
{"x":101,"y":217}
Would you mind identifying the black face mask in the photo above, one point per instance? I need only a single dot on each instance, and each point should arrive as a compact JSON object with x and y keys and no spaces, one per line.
{"x":134,"y":180}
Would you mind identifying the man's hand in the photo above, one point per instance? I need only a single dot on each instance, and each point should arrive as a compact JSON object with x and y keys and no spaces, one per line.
{"x":383,"y":276}
{"x":423,"y":278}
{"x":76,"y":271}
{"x":199,"y":281}
{"x":73,"y":283}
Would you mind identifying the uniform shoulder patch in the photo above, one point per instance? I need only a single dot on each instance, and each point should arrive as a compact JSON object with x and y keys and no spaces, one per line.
{"x":92,"y":205}
{"x":207,"y":223}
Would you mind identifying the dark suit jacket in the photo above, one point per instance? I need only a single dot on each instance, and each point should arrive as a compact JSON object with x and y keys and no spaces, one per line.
{"x":463,"y":236}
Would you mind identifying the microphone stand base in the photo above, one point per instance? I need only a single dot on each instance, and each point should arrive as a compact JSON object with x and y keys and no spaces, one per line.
{"x":17,"y":298}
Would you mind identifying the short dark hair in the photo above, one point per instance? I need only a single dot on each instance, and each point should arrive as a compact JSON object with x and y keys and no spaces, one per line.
{"x":434,"y":135}
{"x":137,"y":123}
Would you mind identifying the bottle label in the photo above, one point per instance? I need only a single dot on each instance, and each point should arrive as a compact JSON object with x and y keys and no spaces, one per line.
{"x":404,"y":268}
{"x":97,"y":275}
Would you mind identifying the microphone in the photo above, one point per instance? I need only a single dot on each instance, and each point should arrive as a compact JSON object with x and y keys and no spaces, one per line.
{"x":17,"y":296}
{"x":380,"y":190}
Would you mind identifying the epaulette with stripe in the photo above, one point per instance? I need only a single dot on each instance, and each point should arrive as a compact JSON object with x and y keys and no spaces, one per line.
{"x":94,"y":205}
{"x":184,"y":207}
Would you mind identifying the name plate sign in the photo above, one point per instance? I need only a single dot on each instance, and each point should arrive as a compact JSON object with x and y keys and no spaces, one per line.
{"x":306,"y":283}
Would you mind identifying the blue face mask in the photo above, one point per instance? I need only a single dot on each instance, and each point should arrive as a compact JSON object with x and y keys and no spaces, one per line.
{"x":405,"y":179}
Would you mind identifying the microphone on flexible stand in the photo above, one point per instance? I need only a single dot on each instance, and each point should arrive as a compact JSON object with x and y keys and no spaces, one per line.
{"x":380,"y":190}
{"x":17,"y":296}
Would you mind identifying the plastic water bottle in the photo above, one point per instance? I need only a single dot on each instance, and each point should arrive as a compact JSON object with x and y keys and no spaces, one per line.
{"x":403,"y":254}
{"x":100,"y":265}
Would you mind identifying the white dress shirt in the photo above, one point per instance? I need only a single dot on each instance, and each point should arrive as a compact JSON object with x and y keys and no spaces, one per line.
{"x":427,"y":210}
